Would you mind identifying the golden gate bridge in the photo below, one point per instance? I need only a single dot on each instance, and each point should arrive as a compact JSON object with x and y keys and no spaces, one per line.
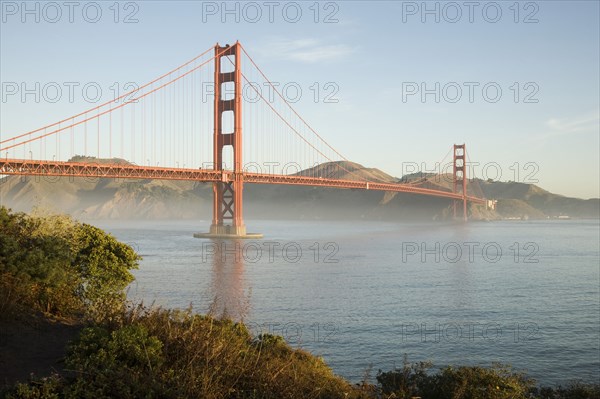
{"x":161,"y":130}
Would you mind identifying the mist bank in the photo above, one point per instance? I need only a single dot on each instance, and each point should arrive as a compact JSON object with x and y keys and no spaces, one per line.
{"x":93,"y":198}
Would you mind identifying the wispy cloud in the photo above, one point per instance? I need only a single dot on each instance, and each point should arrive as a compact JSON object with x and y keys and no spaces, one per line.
{"x":308,"y":50}
{"x":583,"y":123}
{"x":555,"y":127}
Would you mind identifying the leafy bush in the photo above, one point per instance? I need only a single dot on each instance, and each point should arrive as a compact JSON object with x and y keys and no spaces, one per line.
{"x":575,"y":390}
{"x":405,"y":382}
{"x":120,"y":364}
{"x":46,"y":388}
{"x":497,"y":382}
{"x":473,"y":382}
{"x":53,"y":264}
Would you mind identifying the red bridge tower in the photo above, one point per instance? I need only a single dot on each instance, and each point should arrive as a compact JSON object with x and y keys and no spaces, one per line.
{"x":460,"y":178}
{"x":228,"y":220}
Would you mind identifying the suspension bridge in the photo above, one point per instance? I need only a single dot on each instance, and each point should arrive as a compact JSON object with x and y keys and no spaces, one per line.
{"x":187,"y":124}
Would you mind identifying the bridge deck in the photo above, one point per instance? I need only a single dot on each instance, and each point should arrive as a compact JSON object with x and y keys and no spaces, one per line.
{"x":128,"y":171}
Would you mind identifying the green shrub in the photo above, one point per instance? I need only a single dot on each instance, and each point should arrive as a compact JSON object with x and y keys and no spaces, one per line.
{"x":497,"y":382}
{"x":53,"y":264}
{"x":574,"y":390}
{"x":405,"y":382}
{"x":120,"y":364}
{"x":465,"y":382}
{"x":45,"y":388}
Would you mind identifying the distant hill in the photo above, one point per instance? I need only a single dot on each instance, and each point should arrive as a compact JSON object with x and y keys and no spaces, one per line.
{"x":92,"y":198}
{"x":519,"y":197}
{"x":348,"y":171}
{"x":105,"y":198}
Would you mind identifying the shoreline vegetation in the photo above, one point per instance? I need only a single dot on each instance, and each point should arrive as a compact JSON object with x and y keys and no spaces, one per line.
{"x":68,"y":331}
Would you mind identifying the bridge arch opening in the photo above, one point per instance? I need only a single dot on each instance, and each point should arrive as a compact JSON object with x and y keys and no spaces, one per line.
{"x":228,"y":63}
{"x":228,"y":157}
{"x":227,"y":122}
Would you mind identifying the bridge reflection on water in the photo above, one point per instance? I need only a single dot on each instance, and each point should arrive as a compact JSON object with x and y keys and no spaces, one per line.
{"x":228,"y":287}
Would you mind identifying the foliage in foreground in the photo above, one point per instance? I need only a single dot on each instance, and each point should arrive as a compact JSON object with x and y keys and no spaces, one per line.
{"x":496,"y":382}
{"x":472,"y":382}
{"x":174,"y":354}
{"x":53,"y":264}
{"x":157,"y":353}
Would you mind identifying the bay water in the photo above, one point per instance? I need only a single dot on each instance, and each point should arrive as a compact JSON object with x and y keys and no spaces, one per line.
{"x":365,"y":294}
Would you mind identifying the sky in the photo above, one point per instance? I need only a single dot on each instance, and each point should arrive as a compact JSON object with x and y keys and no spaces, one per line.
{"x":398,"y":82}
